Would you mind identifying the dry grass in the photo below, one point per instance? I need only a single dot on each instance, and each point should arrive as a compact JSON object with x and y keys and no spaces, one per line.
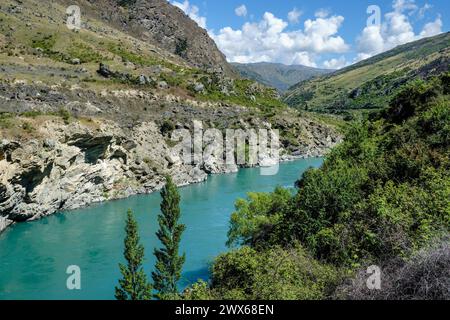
{"x":426,"y":276}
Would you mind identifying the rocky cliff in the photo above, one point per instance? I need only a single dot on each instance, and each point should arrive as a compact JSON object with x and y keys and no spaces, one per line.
{"x":50,"y":161}
{"x":72,"y":165}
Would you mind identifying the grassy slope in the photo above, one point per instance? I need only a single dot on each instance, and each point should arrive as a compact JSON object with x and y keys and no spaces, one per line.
{"x":36,"y":46}
{"x":371,"y":83}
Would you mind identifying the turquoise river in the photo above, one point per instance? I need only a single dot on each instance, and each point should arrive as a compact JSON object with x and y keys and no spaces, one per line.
{"x":34,"y":256}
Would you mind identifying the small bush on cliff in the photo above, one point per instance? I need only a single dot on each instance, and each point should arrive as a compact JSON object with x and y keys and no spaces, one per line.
{"x":181,"y":47}
{"x":167,"y":127}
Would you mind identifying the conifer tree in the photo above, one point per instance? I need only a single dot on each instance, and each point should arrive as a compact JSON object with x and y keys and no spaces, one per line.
{"x":134,"y":284}
{"x":169,"y":263}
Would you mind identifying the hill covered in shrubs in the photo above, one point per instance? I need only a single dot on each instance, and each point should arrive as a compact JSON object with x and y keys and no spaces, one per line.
{"x":381,"y":198}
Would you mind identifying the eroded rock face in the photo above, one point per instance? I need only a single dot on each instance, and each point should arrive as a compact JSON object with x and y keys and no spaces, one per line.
{"x":117,"y":147}
{"x":74,"y":165}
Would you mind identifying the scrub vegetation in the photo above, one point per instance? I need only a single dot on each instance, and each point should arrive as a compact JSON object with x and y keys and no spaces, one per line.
{"x":381,"y":198}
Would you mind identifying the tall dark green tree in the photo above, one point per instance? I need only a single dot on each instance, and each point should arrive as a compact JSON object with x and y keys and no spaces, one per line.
{"x":169,"y":263}
{"x":134,"y":284}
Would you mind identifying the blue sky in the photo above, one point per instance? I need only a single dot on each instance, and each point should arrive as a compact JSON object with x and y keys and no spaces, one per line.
{"x":319,"y":33}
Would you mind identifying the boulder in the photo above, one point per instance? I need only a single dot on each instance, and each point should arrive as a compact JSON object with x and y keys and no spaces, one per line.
{"x":104,"y":71}
{"x":199,"y":87}
{"x":75,"y":61}
{"x":163,"y":85}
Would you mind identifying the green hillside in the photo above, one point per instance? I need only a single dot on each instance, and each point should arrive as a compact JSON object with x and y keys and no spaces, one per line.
{"x":276,"y":75}
{"x":37,"y":47}
{"x":381,"y":198}
{"x":371,"y":83}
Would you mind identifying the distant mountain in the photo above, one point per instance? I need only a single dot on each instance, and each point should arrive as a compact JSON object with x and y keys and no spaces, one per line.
{"x":277,"y":75}
{"x":371,"y":83}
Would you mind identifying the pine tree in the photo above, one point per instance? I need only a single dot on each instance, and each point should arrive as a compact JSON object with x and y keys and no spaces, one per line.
{"x":169,"y":264}
{"x":134,"y":284}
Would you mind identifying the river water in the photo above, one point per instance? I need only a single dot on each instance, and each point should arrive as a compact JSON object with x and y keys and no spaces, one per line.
{"x":34,"y":256}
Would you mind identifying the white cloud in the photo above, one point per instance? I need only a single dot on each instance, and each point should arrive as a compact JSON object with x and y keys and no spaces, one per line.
{"x":398,"y":29}
{"x":304,"y":58}
{"x":192,"y":11}
{"x":424,"y":9}
{"x":268,"y":40}
{"x":335,"y":64}
{"x":404,"y":5}
{"x":322,"y":13}
{"x":294,"y":16}
{"x":432,"y":28}
{"x":241,"y":11}
{"x":395,"y":30}
{"x":371,"y":41}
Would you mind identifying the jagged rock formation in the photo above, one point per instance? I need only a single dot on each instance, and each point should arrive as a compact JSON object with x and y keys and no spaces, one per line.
{"x":67,"y":166}
{"x":73,"y":165}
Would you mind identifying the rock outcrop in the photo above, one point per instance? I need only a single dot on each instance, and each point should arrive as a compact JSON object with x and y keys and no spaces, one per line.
{"x":74,"y":165}
{"x":95,"y":151}
{"x":65,"y":166}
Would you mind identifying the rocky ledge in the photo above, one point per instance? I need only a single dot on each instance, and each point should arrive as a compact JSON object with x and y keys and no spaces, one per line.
{"x":66,"y":166}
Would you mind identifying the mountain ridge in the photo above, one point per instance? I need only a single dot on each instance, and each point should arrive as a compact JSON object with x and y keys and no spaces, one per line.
{"x":163,"y":25}
{"x":371,"y":83}
{"x":278,"y":75}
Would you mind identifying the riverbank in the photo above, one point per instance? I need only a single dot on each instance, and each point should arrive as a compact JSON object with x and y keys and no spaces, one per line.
{"x":34,"y":256}
{"x":65,"y":165}
{"x":198,"y":177}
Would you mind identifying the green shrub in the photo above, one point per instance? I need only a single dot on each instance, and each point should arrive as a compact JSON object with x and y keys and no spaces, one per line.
{"x":65,"y":115}
{"x":181,"y":47}
{"x":167,"y":127}
{"x":27,"y":127}
{"x":382,"y":193}
{"x":272,"y":274}
{"x":32,"y":114}
{"x":256,"y":216}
